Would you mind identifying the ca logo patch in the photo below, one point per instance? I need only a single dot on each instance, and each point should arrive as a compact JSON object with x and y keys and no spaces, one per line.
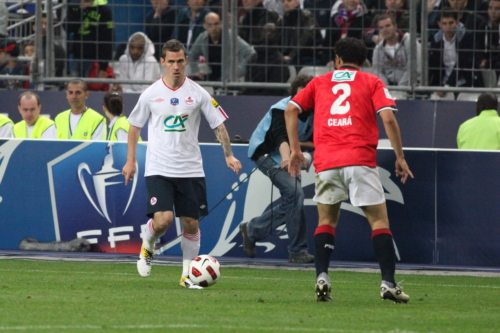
{"x":175,"y":123}
{"x":343,"y":76}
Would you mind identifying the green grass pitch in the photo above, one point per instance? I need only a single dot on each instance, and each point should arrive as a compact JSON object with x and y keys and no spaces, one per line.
{"x":38,"y":296}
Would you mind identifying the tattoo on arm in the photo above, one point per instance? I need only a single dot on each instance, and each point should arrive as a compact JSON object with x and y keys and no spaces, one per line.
{"x":223,"y":137}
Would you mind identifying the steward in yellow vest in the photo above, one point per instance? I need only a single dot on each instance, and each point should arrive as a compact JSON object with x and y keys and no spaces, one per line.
{"x":33,"y":126}
{"x":79,"y":122}
{"x":41,"y":125}
{"x":87,"y":125}
{"x":5,"y":127}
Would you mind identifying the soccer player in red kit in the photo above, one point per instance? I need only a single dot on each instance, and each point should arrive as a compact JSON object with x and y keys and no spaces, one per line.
{"x":346,"y":103}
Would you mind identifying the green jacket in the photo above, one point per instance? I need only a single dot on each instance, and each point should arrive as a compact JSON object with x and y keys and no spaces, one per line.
{"x":480,"y":132}
{"x":41,"y":125}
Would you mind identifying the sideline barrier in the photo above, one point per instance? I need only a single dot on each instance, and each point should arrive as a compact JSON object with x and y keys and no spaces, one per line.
{"x":58,"y":190}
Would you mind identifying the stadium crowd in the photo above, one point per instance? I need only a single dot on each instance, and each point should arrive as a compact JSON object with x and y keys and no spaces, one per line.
{"x":276,"y":39}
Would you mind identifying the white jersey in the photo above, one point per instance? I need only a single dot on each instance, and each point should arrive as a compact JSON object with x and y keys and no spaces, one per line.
{"x":174,"y":121}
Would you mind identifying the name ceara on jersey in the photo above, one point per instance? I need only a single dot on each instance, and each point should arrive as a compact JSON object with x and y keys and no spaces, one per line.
{"x":175,"y":123}
{"x":340,"y":122}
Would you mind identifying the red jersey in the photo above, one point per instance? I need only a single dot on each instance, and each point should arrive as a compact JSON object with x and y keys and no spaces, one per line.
{"x":345,"y":104}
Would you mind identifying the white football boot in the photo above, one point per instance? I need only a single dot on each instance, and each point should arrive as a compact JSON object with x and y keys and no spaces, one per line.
{"x":145,"y":261}
{"x":395,"y":294}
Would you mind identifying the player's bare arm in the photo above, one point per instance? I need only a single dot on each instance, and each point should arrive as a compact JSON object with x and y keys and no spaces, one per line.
{"x":232,"y":162}
{"x":392,"y":130}
{"x":284,"y":150}
{"x":129,"y":169}
{"x":292,"y":129}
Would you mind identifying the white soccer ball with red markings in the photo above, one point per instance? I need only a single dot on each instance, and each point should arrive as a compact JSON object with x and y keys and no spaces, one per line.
{"x":204,"y":270}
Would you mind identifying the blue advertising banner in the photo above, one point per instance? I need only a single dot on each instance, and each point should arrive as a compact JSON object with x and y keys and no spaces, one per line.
{"x":61,"y":190}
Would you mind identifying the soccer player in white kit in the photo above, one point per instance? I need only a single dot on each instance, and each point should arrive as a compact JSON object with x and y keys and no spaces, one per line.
{"x":174,"y":170}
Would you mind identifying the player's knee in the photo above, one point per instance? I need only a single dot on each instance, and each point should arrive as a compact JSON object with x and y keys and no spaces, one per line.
{"x":163,"y":220}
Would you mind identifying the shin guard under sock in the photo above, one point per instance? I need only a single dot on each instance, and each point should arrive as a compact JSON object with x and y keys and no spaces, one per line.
{"x":383,"y":246}
{"x":324,"y":242}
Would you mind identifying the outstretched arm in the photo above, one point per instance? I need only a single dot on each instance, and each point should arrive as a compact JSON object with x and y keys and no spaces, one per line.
{"x":392,"y":130}
{"x":232,"y":162}
{"x":129,"y":169}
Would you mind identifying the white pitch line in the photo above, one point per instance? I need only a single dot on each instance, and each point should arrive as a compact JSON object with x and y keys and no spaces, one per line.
{"x":218,"y":327}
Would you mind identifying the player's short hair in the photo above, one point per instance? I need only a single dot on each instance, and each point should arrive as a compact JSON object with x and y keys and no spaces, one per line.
{"x":77,"y":81}
{"x":29,"y":95}
{"x":172,"y":45}
{"x":351,"y":51}
{"x":382,"y":17}
{"x":486,"y":101}
{"x":300,"y":81}
{"x":113,"y":103}
{"x":447,"y":13}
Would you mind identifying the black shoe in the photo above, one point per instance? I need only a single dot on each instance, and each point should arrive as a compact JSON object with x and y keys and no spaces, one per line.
{"x":301,"y":258}
{"x":248,"y":246}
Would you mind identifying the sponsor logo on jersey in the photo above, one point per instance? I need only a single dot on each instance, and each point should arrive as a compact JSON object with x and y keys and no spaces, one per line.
{"x":175,"y":123}
{"x":159,"y":100}
{"x":214,"y":103}
{"x":189,"y":101}
{"x":343,"y":76}
{"x":174,"y":101}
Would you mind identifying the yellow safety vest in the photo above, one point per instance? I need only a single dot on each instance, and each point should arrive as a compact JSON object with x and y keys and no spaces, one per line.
{"x":41,"y":125}
{"x":120,"y":123}
{"x":86,"y":127}
{"x":4,"y":120}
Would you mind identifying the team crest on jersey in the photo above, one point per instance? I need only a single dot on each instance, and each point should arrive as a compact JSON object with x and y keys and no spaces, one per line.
{"x":343,"y":76}
{"x":189,"y":101}
{"x":175,"y":123}
{"x":174,"y":101}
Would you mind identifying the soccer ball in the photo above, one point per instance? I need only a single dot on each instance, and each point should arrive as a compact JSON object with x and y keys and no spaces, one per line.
{"x":204,"y":270}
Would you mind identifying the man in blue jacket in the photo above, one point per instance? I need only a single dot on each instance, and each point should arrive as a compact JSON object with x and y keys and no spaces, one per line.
{"x":270,"y":150}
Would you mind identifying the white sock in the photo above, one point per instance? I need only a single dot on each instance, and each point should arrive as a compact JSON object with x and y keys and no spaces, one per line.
{"x":150,"y":236}
{"x":190,"y":246}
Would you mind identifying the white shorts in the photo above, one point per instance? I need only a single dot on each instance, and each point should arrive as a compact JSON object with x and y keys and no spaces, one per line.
{"x":360,"y":183}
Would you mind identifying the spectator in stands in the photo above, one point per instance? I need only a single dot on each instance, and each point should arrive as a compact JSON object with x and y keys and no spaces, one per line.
{"x":6,"y":127}
{"x":9,"y":51}
{"x":252,"y":23}
{"x":79,"y":122}
{"x":349,"y":19}
{"x":207,"y":47}
{"x":452,"y":57}
{"x":4,"y":15}
{"x":189,"y":22}
{"x":138,"y":63}
{"x":482,"y":131}
{"x":33,"y":125}
{"x":90,"y":22}
{"x":299,"y":36}
{"x":160,"y":23}
{"x":118,"y":124}
{"x":29,"y":49}
{"x":392,"y":54}
{"x":269,"y":66}
{"x":59,"y":53}
{"x":491,"y":42}
{"x":401,"y":15}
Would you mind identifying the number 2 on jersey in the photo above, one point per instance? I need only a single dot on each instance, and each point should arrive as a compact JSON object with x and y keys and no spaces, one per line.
{"x":336,"y":107}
